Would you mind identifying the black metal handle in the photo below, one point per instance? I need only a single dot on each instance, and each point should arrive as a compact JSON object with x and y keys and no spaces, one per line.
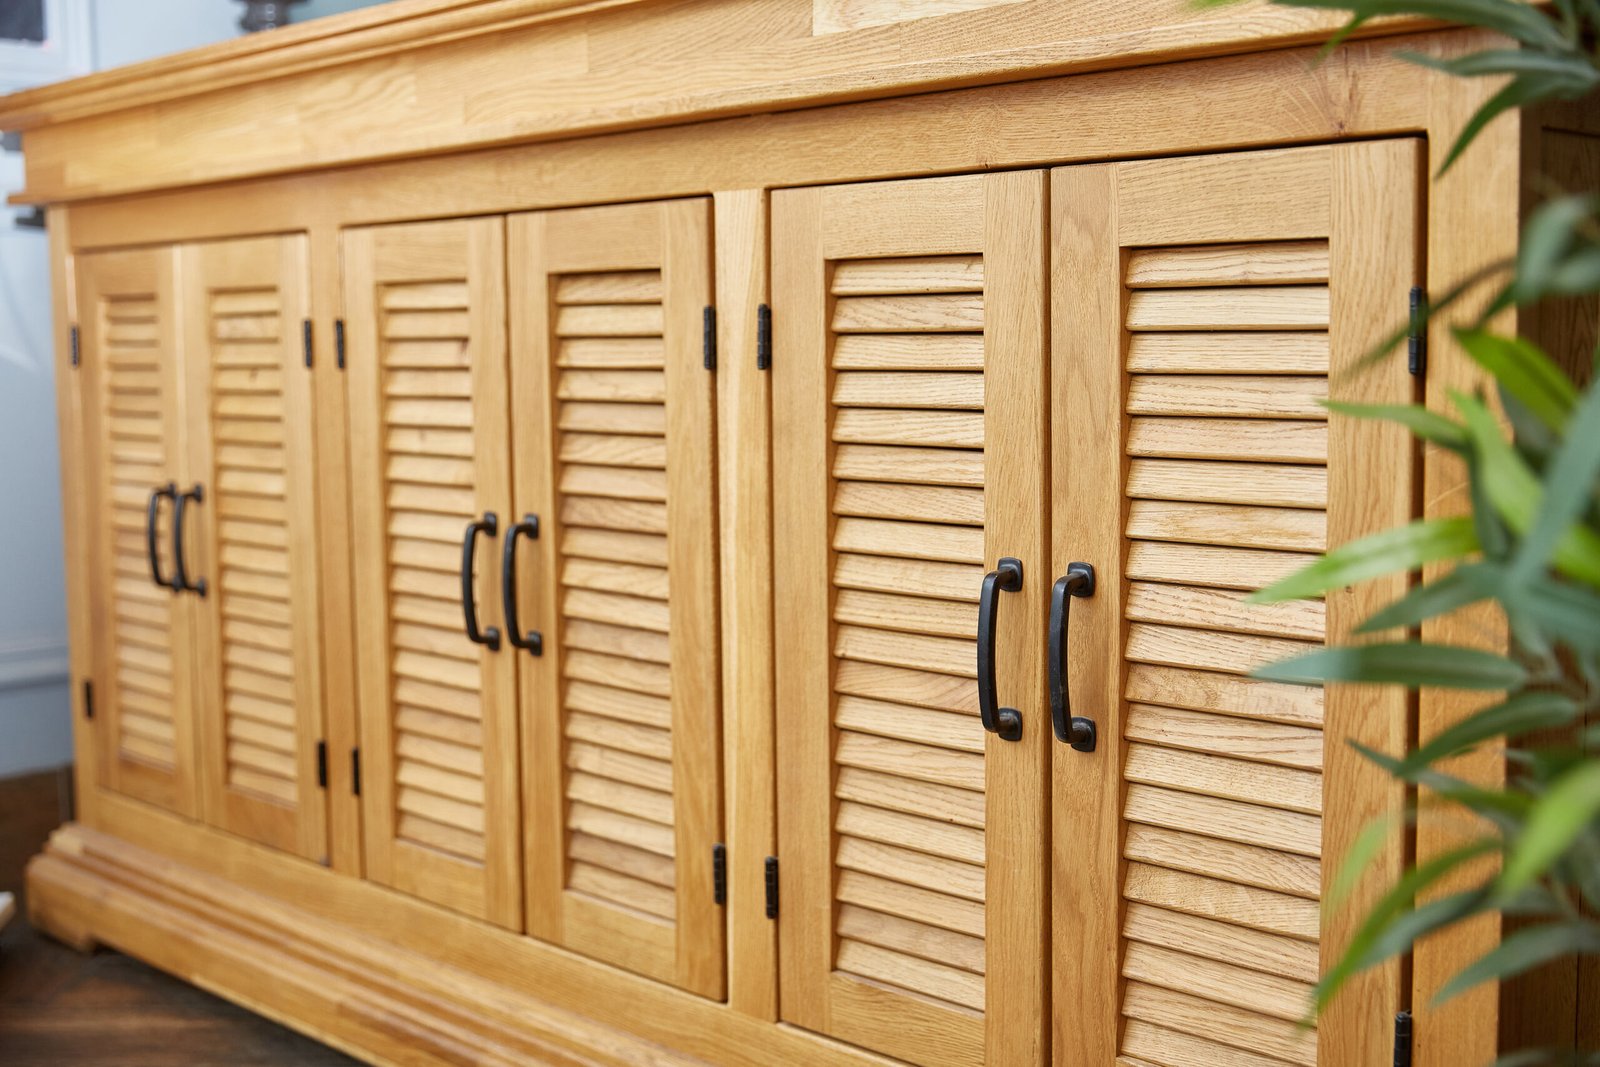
{"x":1075,"y":730}
{"x":180,"y":581}
{"x":533,"y":640}
{"x":490,"y":525}
{"x":1007,"y":577}
{"x":151,"y":514}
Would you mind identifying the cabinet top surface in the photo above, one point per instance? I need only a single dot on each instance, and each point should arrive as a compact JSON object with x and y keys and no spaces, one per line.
{"x":418,"y":77}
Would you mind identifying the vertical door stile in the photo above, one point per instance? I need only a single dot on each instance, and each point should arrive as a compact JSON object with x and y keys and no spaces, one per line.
{"x":909,"y":458}
{"x":621,"y":702}
{"x":1204,"y":308}
{"x":430,"y":456}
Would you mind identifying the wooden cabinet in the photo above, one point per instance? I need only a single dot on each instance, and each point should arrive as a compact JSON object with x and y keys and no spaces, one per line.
{"x":646,"y":544}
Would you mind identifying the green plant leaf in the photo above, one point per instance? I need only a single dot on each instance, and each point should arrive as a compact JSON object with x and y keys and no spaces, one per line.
{"x":1523,"y":371}
{"x":1525,"y":89}
{"x":1565,"y":811}
{"x":1560,"y":611}
{"x":1520,"y":714}
{"x":1357,"y":860}
{"x":1522,"y":951}
{"x":1455,"y":590}
{"x":1492,"y":61}
{"x":1403,"y":663}
{"x":1569,"y":489}
{"x":1392,"y":925}
{"x":1545,"y":242}
{"x":1515,"y":493}
{"x":1505,"y":808}
{"x":1401,"y":549}
{"x":1433,"y":307}
{"x":1516,"y":20}
{"x":1577,"y":275}
{"x":1428,"y":425}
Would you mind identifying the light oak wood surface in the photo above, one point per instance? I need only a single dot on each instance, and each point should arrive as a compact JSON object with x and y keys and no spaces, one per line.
{"x":566,"y":67}
{"x":993,"y":332}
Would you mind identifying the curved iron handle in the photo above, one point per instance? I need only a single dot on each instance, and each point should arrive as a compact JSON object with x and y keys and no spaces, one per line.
{"x":1007,"y":722}
{"x":1075,"y":730}
{"x":180,"y":581}
{"x":533,"y":640}
{"x":489,"y":524}
{"x":151,"y":514}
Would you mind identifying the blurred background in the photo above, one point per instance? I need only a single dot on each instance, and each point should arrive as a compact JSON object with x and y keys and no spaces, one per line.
{"x":42,"y":41}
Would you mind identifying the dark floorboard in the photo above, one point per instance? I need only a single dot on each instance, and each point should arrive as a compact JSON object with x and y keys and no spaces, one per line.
{"x":60,"y":1008}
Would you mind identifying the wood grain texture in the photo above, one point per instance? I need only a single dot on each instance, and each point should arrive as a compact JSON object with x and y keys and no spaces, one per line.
{"x":1372,"y":483}
{"x":898,"y":790}
{"x":259,"y":642}
{"x":744,"y":418}
{"x":601,"y":64}
{"x":133,"y":421}
{"x":438,"y":713}
{"x":1195,"y":107}
{"x":1364,"y":86}
{"x":1461,"y":239}
{"x":622,"y":786}
{"x":1224,"y":824}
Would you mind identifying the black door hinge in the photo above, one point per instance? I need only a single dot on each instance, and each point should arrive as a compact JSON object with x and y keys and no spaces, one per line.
{"x":1417,"y":338}
{"x":322,"y":764}
{"x":75,"y":345}
{"x":772,"y":887}
{"x":1402,"y":1039}
{"x":88,"y":699}
{"x":763,"y":337}
{"x":708,"y":341}
{"x":719,"y":873}
{"x":338,"y":343}
{"x":305,"y":340}
{"x":355,"y":771}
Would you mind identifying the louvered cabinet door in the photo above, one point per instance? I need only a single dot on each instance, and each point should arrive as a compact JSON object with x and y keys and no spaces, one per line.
{"x":1202,"y":310}
{"x":909,"y":432}
{"x":141,"y":628}
{"x":258,"y":697}
{"x":430,"y":457}
{"x":615,"y":460}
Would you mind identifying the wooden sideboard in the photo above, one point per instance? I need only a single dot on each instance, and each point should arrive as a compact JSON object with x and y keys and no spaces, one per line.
{"x":641,"y":532}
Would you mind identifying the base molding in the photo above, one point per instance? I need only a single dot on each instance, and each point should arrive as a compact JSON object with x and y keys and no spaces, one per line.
{"x":369,"y":998}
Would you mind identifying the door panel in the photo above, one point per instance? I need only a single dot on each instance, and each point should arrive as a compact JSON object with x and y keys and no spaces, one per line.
{"x":909,"y":458}
{"x":425,"y":322}
{"x":259,"y":699}
{"x":142,"y":630}
{"x":615,"y":450}
{"x":1203,"y":309}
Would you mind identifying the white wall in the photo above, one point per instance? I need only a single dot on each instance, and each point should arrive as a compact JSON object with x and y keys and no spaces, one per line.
{"x":35,"y":710}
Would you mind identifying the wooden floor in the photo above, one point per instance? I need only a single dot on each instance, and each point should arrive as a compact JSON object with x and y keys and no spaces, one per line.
{"x":59,"y":1008}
